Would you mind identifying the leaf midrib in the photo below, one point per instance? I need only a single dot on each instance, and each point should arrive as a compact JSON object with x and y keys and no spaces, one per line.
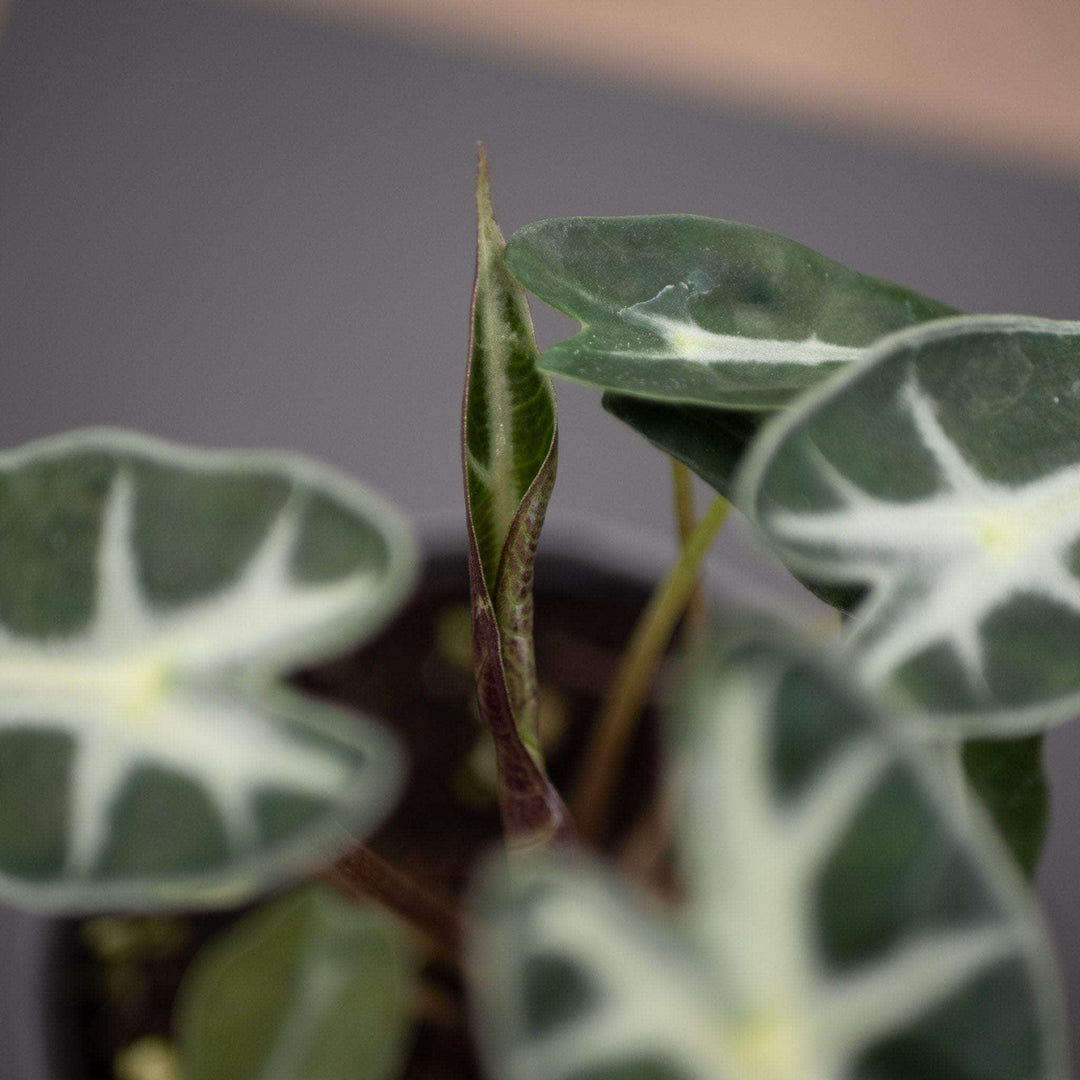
{"x":505,"y":497}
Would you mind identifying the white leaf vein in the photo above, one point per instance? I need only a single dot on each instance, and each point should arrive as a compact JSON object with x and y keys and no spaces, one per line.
{"x":145,"y":687}
{"x":944,"y":562}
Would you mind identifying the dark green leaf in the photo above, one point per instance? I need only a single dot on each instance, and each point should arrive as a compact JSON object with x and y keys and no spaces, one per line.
{"x":1008,"y":777}
{"x":311,"y":987}
{"x":694,"y":310}
{"x":711,"y":442}
{"x":839,"y":919}
{"x":151,"y":598}
{"x":943,"y":473}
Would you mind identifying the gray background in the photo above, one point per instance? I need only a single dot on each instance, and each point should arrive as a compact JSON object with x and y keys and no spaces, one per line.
{"x":228,"y":228}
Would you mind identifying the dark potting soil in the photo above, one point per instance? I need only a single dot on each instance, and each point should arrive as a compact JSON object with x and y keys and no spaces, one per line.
{"x":117,"y":979}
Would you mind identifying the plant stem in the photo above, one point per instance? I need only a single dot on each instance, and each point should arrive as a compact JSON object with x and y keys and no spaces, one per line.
{"x":364,"y":875}
{"x":637,"y":668}
{"x":697,"y":607}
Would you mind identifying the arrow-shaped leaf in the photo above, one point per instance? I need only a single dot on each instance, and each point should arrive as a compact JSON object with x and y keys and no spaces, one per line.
{"x":150,"y":597}
{"x":311,"y":987}
{"x":839,"y":920}
{"x":509,"y":445}
{"x":944,"y":473}
{"x":689,"y":309}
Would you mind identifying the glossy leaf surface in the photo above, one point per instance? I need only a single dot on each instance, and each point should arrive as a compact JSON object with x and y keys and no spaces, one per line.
{"x":311,"y":987}
{"x":150,"y":597}
{"x":690,"y":309}
{"x":839,"y":921}
{"x":510,"y":450}
{"x":944,"y":473}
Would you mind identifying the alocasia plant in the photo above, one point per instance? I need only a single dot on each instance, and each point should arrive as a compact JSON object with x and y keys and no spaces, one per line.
{"x":829,"y":902}
{"x":686,"y":309}
{"x":943,"y":473}
{"x":839,"y":920}
{"x":149,"y":598}
{"x":510,"y":447}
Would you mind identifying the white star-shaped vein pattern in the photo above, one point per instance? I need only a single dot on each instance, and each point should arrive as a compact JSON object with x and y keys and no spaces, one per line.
{"x":748,"y":994}
{"x":142,"y":687}
{"x":938,"y":566}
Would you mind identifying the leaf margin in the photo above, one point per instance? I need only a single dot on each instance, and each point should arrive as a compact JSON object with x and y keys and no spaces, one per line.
{"x":257,"y":685}
{"x":1010,"y":722}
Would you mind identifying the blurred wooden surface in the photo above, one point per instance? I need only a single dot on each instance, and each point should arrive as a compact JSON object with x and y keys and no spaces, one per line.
{"x":994,"y":78}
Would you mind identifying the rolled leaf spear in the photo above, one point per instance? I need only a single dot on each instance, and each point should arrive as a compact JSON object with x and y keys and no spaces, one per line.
{"x":509,"y":450}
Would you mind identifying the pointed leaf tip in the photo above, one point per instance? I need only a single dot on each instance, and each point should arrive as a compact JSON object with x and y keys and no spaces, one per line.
{"x":509,"y":451}
{"x":484,"y":205}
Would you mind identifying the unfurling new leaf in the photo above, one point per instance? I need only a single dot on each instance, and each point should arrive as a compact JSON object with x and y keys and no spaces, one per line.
{"x":509,"y":453}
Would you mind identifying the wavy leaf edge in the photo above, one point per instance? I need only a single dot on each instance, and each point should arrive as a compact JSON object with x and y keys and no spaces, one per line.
{"x":1002,"y":721}
{"x":364,"y":762}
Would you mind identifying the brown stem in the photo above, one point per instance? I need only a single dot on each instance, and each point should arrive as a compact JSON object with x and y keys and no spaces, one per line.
{"x":364,"y":875}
